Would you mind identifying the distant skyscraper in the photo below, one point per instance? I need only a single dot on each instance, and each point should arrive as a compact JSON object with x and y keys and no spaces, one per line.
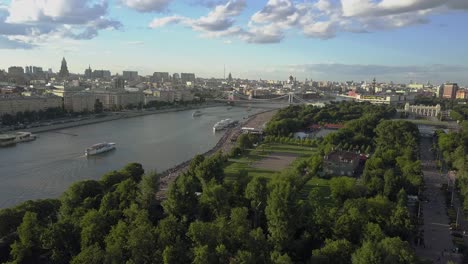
{"x":175,"y":77}
{"x":64,"y":69}
{"x":187,"y":77}
{"x":130,"y":75}
{"x":161,"y":77}
{"x":16,"y":71}
{"x":230,"y":77}
{"x":373,"y":86}
{"x":450,"y":90}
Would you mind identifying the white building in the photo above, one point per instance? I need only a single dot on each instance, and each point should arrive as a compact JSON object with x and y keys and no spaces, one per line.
{"x":423,"y":110}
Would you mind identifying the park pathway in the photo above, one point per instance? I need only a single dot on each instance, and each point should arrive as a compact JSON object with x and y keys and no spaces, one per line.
{"x":437,"y":242}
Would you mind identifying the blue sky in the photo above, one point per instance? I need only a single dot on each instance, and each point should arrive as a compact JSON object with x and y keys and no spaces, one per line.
{"x":393,"y":40}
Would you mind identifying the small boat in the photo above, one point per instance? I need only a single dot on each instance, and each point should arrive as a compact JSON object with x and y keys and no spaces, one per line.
{"x":223,"y":124}
{"x":7,"y":140}
{"x":99,"y":148}
{"x":25,"y":137}
{"x":197,"y":113}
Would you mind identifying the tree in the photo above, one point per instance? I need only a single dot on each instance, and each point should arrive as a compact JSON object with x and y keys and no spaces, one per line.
{"x":368,"y":253}
{"x":281,"y":213}
{"x":27,"y":248}
{"x":149,"y":186}
{"x":343,"y":188}
{"x":244,"y":142}
{"x":94,"y":228}
{"x":256,"y":191}
{"x":335,"y":251}
{"x":89,"y":255}
{"x":62,"y":240}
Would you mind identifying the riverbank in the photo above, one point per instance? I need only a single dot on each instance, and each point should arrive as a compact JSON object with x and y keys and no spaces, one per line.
{"x":225,"y":144}
{"x":111,"y":117}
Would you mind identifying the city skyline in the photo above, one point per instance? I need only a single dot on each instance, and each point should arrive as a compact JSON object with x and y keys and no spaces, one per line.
{"x":323,"y":40}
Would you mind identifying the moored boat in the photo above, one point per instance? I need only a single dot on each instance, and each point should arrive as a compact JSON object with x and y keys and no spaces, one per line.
{"x":223,"y":124}
{"x":25,"y":137}
{"x":7,"y":140}
{"x":99,"y":148}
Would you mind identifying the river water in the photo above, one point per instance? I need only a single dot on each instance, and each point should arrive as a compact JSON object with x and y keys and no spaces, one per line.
{"x":44,"y":168}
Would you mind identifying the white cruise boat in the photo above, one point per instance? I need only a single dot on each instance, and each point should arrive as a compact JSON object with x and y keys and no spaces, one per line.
{"x":7,"y":140}
{"x":223,"y":124}
{"x":99,"y":148}
{"x":25,"y":137}
{"x":197,"y":113}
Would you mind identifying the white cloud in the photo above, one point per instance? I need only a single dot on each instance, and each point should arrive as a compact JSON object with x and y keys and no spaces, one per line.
{"x":147,"y":5}
{"x":322,"y":19}
{"x":35,"y":22}
{"x":217,"y":23}
{"x":160,"y":22}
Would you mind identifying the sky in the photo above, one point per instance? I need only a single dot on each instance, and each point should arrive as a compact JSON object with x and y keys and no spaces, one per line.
{"x":337,"y":40}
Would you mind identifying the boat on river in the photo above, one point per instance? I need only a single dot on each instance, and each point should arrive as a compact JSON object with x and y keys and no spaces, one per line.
{"x":197,"y":113}
{"x":7,"y":140}
{"x":25,"y":137}
{"x":99,"y":148}
{"x":223,"y":124}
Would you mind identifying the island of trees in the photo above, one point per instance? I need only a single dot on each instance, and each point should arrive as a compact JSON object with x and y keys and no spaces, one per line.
{"x":208,"y":217}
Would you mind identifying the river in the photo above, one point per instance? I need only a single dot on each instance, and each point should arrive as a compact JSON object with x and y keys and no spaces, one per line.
{"x":44,"y":168}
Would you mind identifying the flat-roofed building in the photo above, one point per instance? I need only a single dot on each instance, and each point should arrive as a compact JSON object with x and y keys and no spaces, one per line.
{"x":161,"y":77}
{"x":187,"y":77}
{"x":110,"y":99}
{"x":130,"y":75}
{"x":14,"y":104}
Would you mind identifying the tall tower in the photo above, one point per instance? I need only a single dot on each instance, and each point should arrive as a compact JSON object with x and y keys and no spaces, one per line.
{"x":374,"y":85}
{"x":64,"y":69}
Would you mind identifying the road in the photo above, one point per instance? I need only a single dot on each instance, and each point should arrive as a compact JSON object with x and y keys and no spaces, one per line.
{"x":437,"y":242}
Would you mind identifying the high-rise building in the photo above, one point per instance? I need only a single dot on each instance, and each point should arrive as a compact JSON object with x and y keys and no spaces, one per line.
{"x":16,"y":71}
{"x":161,"y":77}
{"x":130,"y":75}
{"x":187,"y":77}
{"x":33,"y":70}
{"x":175,"y":77}
{"x":450,"y":90}
{"x":101,"y":74}
{"x":64,"y":69}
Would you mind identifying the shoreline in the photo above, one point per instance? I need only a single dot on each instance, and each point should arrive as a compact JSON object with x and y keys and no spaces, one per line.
{"x":224,"y":143}
{"x":121,"y":115}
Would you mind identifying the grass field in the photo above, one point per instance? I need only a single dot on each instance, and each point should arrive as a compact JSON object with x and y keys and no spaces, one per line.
{"x":322,"y":185}
{"x":247,"y":161}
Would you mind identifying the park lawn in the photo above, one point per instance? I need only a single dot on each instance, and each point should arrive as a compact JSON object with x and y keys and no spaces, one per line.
{"x":295,"y":149}
{"x":246,"y":161}
{"x":323,"y":186}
